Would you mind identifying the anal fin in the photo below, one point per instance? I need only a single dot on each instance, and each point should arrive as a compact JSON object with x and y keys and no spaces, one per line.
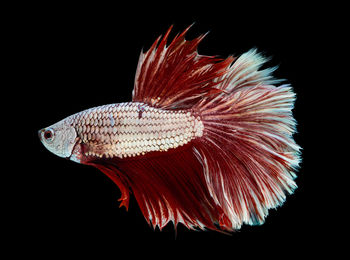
{"x":168,"y":186}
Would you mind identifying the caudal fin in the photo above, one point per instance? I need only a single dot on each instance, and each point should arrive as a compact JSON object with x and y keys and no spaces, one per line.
{"x":247,"y":148}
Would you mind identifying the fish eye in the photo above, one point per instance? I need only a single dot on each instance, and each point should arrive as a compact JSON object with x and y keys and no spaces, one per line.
{"x":48,"y":135}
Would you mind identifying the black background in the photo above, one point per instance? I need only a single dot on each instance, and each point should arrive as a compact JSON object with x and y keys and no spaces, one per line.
{"x":74,"y":58}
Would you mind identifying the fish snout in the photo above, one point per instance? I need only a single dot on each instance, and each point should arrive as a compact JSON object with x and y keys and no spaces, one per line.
{"x":40,"y":133}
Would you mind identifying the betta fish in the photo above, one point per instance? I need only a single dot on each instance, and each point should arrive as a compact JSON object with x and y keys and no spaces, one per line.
{"x":205,"y":141}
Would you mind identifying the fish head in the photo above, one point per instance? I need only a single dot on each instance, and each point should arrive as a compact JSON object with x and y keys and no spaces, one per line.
{"x":59,"y":138}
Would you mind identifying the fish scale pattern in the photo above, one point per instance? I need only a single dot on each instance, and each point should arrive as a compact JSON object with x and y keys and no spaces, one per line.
{"x":133,"y":128}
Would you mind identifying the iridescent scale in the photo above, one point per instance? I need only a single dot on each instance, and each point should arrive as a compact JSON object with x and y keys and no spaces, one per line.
{"x":133,"y":128}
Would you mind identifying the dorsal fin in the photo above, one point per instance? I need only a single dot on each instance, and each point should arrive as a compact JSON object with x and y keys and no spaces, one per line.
{"x":176,"y":76}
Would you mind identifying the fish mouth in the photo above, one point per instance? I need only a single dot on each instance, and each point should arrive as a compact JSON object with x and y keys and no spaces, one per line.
{"x":40,"y":134}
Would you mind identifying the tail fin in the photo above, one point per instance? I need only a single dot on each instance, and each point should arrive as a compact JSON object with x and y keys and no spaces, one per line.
{"x":247,"y":148}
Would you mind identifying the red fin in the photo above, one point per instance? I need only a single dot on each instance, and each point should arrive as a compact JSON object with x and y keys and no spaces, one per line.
{"x":117,"y":177}
{"x":176,"y":75}
{"x":248,"y":148}
{"x":170,"y":187}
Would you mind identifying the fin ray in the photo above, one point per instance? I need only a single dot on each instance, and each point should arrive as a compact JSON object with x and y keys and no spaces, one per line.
{"x":170,"y":187}
{"x":176,"y":75}
{"x":250,"y":126}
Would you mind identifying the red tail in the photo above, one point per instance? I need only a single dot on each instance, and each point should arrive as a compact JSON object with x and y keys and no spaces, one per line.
{"x":243,"y":164}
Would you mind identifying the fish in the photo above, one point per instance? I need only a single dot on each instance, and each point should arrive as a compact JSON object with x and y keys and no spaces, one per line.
{"x":205,"y":141}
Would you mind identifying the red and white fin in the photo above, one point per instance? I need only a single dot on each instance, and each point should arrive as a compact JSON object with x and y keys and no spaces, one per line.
{"x":247,"y":149}
{"x":176,"y":76}
{"x":169,"y":187}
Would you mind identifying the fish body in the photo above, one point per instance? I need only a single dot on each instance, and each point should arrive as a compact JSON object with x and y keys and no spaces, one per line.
{"x":129,"y":130}
{"x":206,"y":142}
